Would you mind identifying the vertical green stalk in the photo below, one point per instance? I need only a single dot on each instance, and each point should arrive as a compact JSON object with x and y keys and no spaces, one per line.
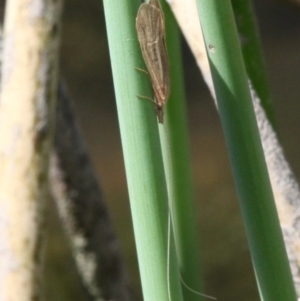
{"x":178,"y":172}
{"x":142,"y":153}
{"x":252,"y":53}
{"x":251,"y":177}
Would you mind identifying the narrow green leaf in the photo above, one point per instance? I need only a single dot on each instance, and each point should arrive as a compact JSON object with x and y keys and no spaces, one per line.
{"x":251,"y":177}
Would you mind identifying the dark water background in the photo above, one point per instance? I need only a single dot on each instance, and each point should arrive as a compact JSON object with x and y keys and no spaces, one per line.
{"x":85,"y":65}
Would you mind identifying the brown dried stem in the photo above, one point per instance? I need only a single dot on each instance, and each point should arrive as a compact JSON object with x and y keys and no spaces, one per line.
{"x":29,"y":76}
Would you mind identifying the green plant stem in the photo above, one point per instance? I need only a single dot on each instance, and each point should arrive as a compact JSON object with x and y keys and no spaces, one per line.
{"x":252,"y":53}
{"x":251,"y":177}
{"x":142,"y":153}
{"x":175,"y":146}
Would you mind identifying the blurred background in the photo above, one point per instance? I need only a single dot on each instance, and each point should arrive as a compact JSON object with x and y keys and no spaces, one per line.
{"x":85,"y":66}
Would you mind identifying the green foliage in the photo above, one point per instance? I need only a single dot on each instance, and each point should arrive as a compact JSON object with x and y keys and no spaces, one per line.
{"x":147,"y":175}
{"x":247,"y":159}
{"x":142,"y":154}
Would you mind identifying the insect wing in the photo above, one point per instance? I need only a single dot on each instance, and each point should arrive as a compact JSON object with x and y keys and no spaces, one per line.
{"x":151,"y":35}
{"x":155,"y":3}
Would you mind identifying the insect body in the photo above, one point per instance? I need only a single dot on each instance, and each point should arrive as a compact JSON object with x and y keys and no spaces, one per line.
{"x":150,"y":26}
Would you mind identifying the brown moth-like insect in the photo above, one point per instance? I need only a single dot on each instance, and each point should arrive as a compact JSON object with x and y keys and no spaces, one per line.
{"x":150,"y":26}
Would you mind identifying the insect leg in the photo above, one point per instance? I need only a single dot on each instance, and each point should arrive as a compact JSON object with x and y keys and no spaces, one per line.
{"x":142,"y":70}
{"x":146,"y":97}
